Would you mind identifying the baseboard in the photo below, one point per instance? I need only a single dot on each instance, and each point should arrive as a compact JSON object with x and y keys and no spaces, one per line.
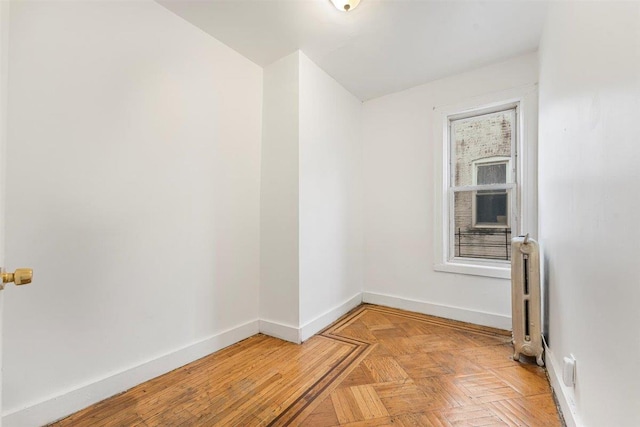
{"x":493,"y":320}
{"x":565,"y":395}
{"x":66,"y":403}
{"x":319,"y":323}
{"x":306,"y":331}
{"x":280,"y":330}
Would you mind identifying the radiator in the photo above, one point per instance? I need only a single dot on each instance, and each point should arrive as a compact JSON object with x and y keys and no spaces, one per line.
{"x":525,"y":298}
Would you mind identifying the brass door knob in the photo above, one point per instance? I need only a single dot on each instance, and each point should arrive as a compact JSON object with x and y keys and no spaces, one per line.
{"x":21,"y":276}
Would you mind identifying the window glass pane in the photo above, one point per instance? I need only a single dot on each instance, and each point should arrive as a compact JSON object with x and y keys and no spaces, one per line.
{"x":491,"y":208}
{"x":477,"y":138}
{"x":492,"y":173}
{"x":481,"y":225}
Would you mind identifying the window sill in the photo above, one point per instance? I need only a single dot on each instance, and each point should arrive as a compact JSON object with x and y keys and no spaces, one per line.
{"x":500,"y":271}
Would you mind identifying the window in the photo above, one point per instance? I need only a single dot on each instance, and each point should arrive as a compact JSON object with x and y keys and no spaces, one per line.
{"x":490,"y":208}
{"x":482,"y":146}
{"x":488,"y":184}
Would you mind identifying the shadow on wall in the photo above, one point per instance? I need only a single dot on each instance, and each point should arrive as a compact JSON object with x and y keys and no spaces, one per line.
{"x":545,"y":298}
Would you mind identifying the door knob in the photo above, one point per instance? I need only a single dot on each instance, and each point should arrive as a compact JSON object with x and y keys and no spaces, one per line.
{"x":21,"y":276}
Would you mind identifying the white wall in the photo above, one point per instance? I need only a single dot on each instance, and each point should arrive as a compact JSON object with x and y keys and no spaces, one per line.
{"x":4,"y":56}
{"x":311,"y":234}
{"x":589,"y":203}
{"x":133,"y":192}
{"x":330,"y":196}
{"x":399,"y":197}
{"x":279,"y":284}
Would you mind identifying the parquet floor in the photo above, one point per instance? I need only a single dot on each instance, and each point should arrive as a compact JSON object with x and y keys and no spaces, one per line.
{"x":374,"y":367}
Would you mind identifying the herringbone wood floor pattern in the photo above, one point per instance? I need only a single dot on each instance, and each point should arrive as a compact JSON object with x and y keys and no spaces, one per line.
{"x":374,"y":367}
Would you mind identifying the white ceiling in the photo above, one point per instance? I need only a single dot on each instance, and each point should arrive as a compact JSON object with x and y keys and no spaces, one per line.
{"x":383,"y":46}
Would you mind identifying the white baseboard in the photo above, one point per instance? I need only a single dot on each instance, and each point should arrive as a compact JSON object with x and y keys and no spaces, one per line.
{"x":564,"y":394}
{"x":319,"y":323}
{"x":306,"y":331}
{"x":493,"y":320}
{"x":280,"y":330}
{"x":66,"y":403}
{"x":80,"y":397}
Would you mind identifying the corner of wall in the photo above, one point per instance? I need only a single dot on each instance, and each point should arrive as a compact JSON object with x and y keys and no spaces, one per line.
{"x":327,"y":318}
{"x":280,"y":330}
{"x":298,"y":335}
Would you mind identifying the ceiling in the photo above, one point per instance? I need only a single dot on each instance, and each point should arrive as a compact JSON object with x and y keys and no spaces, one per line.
{"x":381,"y":47}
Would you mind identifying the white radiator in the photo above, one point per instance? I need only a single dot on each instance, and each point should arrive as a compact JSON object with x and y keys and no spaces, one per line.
{"x":525,"y":298}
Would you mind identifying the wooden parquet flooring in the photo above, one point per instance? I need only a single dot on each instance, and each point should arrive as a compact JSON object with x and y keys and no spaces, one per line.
{"x":374,"y":367}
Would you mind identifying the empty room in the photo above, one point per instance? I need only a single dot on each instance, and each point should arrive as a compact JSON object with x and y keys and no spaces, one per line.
{"x":319,"y":213}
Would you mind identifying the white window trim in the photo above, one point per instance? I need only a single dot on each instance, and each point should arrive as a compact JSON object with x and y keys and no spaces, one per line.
{"x":496,"y":160}
{"x":526,"y":180}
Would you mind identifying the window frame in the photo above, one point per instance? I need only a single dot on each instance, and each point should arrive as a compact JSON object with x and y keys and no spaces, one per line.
{"x":524,"y":214}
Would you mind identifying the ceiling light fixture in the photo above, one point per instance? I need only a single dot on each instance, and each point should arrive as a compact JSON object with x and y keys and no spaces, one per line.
{"x":345,"y":5}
